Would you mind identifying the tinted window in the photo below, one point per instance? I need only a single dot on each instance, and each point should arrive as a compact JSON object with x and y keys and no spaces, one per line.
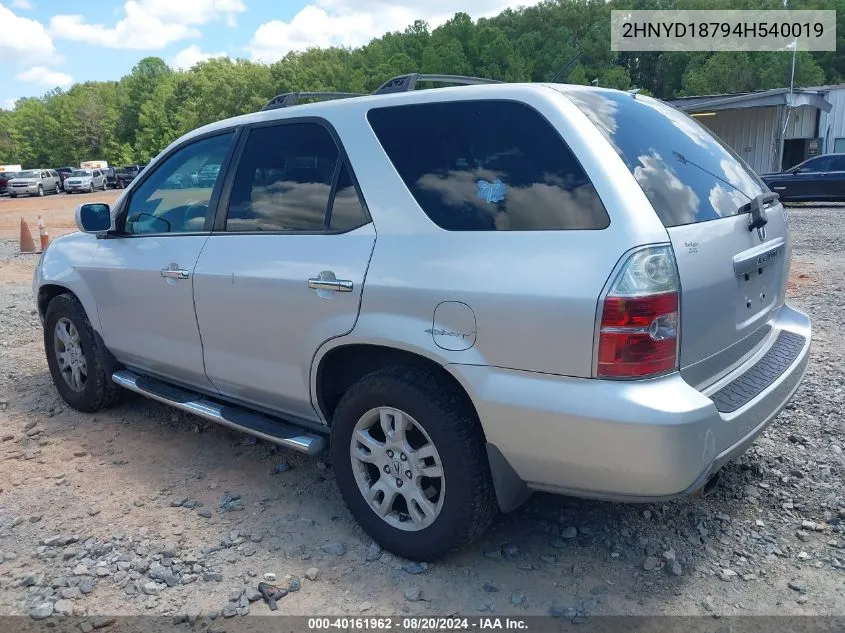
{"x":687,"y":173}
{"x":347,"y":212}
{"x":822,"y":163}
{"x":172,"y":199}
{"x":283,"y":179}
{"x":488,"y":166}
{"x":837,"y":163}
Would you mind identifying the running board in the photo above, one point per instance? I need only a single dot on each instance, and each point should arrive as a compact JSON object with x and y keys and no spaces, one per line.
{"x":256,"y":424}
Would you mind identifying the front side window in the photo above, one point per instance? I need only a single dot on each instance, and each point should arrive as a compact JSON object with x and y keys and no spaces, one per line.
{"x":837,"y":163}
{"x":822,"y":163}
{"x":174,"y":199}
{"x":488,"y":166}
{"x":284,"y":181}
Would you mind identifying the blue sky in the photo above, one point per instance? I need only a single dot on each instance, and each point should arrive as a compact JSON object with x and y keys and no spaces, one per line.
{"x":46,"y":44}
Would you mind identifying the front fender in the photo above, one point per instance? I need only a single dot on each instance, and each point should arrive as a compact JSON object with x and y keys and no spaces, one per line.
{"x":63,"y":265}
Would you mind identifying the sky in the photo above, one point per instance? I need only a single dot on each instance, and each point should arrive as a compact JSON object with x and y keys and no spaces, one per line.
{"x":46,"y":44}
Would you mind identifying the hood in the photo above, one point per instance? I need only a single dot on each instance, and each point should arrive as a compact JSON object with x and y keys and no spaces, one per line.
{"x":28,"y":181}
{"x":79,"y":178}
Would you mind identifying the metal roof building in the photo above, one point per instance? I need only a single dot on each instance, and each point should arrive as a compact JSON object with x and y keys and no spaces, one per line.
{"x":772,"y":129}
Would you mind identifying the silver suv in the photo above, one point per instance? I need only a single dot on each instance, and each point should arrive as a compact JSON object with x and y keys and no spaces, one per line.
{"x":82,"y":180}
{"x":473,"y":292}
{"x":34,"y":182}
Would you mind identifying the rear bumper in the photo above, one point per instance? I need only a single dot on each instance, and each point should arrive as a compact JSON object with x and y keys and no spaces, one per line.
{"x":644,"y":440}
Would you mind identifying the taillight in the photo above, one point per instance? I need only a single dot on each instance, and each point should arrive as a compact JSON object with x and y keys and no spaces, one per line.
{"x":640,"y":319}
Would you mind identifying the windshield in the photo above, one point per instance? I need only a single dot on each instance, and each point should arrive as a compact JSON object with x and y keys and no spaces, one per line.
{"x":30,"y":173}
{"x":8,"y":175}
{"x":82,"y":173}
{"x":686,"y":172}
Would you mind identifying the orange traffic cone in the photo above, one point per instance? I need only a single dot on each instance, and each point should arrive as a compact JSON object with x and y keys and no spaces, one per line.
{"x":42,"y":234}
{"x":27,"y":243}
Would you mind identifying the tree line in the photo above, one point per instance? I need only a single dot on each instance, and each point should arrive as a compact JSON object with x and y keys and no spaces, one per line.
{"x":131,"y":120}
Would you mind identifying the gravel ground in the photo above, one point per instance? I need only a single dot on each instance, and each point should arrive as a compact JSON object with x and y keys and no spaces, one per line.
{"x":142,"y":510}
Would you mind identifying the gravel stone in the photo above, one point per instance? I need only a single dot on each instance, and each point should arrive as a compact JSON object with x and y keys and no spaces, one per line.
{"x":41,"y":611}
{"x":335,"y":548}
{"x":412,"y":594}
{"x":312,"y":573}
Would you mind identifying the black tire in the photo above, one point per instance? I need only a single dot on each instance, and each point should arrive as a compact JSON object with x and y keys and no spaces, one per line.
{"x":91,"y":187}
{"x":40,"y":191}
{"x":469,"y":503}
{"x":13,"y":195}
{"x":99,"y":391}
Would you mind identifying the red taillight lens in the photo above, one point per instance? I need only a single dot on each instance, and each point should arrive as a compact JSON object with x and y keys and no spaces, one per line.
{"x":638,"y":334}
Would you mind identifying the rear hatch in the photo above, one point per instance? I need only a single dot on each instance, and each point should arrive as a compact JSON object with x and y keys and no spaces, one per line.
{"x":733,"y":277}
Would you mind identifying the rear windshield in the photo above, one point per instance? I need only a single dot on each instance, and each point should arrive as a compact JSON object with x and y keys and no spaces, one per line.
{"x":488,"y":166}
{"x":687,"y":173}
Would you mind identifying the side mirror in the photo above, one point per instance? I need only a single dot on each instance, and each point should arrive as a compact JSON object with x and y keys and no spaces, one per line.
{"x":94,"y":218}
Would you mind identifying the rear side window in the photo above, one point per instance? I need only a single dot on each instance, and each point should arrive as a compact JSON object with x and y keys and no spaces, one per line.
{"x":687,"y":173}
{"x":488,"y":166}
{"x":284,"y":182}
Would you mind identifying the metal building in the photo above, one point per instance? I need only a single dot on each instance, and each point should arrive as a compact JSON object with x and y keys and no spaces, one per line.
{"x":770,"y":129}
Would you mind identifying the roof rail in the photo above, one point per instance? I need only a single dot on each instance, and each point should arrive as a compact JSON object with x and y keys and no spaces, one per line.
{"x":291,"y":98}
{"x":405,"y":83}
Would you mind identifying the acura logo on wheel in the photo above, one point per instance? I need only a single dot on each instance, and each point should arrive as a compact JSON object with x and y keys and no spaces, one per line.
{"x":397,"y":467}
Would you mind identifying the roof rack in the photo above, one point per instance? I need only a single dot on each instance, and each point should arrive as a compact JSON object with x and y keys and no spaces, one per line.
{"x":292,"y":98}
{"x":406,"y":83}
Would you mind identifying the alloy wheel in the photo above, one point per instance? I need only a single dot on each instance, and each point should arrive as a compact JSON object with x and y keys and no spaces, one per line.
{"x":397,"y":468}
{"x":69,"y":354}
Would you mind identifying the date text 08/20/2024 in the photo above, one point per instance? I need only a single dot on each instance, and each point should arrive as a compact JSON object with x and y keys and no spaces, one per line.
{"x":416,"y":624}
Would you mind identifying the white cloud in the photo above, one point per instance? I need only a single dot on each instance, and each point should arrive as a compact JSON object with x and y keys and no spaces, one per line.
{"x":24,"y":41}
{"x":355,"y":22}
{"x":8,"y":104}
{"x":45,"y":77}
{"x":148,"y":24}
{"x":26,"y":5}
{"x":189,"y":57}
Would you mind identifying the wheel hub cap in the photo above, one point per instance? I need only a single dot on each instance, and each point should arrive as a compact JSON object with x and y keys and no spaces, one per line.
{"x":69,"y":355}
{"x":397,"y":468}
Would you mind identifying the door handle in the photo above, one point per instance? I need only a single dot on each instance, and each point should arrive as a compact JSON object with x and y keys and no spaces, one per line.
{"x":174,"y":273}
{"x":338,"y":285}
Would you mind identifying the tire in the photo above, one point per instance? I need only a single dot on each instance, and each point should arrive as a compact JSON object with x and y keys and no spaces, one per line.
{"x":463,"y":503}
{"x":96,"y":391}
{"x":91,"y":187}
{"x":40,"y":191}
{"x":13,"y":195}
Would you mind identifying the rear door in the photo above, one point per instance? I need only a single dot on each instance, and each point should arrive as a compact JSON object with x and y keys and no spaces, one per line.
{"x":733,"y":279}
{"x":284,"y":269}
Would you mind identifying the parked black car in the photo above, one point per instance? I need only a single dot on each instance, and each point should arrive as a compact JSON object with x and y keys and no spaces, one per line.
{"x":64,"y":172}
{"x":820,"y":179}
{"x":111,"y":177}
{"x":127,"y":174}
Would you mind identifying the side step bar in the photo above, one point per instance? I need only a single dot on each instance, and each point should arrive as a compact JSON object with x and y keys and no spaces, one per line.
{"x":265,"y":427}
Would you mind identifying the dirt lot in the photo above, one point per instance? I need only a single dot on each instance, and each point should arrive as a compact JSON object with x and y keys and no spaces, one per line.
{"x":132,"y":511}
{"x":56,"y":210}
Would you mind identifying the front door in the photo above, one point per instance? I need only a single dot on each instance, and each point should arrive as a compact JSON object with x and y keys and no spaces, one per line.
{"x":284,"y":269}
{"x":143,"y":279}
